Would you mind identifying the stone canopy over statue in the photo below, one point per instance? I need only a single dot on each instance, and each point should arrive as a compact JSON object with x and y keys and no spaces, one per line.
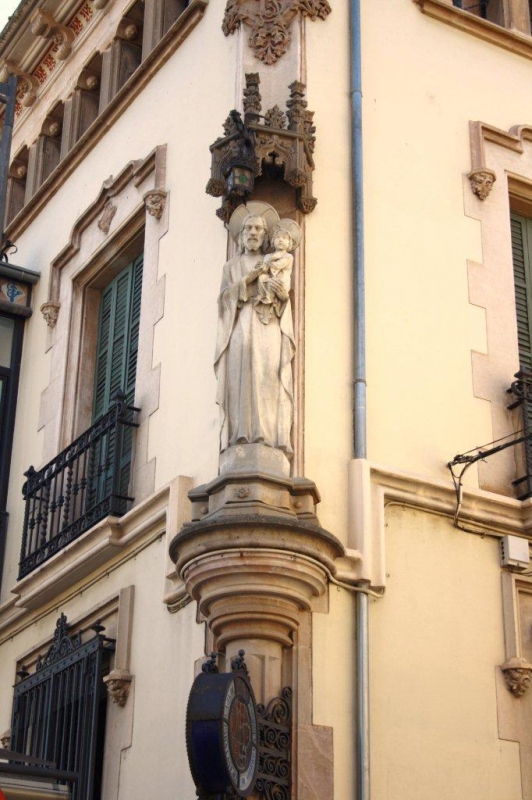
{"x":255,"y":345}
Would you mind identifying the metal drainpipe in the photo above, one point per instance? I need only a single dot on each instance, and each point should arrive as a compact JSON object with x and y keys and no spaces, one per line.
{"x":359,"y":409}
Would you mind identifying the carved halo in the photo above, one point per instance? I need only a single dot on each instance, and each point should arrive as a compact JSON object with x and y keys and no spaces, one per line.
{"x":255,"y":207}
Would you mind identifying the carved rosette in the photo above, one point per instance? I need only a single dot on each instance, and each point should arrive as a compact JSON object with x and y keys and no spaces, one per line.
{"x":155,"y":202}
{"x":109,"y":210}
{"x":44,"y":24}
{"x":270,"y":23}
{"x":517,"y":674}
{"x":482,"y":181}
{"x":50,"y":312}
{"x":118,"y":685}
{"x":285,"y":139}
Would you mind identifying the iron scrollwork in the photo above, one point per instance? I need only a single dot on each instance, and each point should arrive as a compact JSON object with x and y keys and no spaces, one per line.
{"x":275,"y":724}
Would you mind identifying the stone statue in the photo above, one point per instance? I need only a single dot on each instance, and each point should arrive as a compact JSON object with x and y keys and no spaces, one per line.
{"x":255,"y":345}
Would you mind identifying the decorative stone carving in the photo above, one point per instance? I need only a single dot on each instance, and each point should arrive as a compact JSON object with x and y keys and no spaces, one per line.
{"x":99,"y":3}
{"x":27,"y":84}
{"x":104,"y":223}
{"x":5,"y":739}
{"x":50,"y":312}
{"x":275,"y":118}
{"x":256,"y":344}
{"x":255,"y":144}
{"x":517,"y":674}
{"x":44,"y":24}
{"x":118,"y":685}
{"x":482,"y":181}
{"x":270,"y":23}
{"x":155,"y":201}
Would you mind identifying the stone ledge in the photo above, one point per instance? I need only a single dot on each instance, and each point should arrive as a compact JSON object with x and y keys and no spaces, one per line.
{"x":110,"y":540}
{"x":512,"y":40}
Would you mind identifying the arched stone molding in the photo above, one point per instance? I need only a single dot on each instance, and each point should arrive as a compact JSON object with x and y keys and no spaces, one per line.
{"x":80,"y":271}
{"x":506,"y":156}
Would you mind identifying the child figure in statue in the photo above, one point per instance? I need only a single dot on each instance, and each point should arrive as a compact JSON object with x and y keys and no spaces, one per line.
{"x":277,"y":269}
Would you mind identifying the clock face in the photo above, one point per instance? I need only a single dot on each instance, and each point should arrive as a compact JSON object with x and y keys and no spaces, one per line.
{"x":240,"y":735}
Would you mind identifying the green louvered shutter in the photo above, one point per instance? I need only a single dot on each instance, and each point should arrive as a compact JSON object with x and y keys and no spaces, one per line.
{"x":521,"y":228}
{"x":118,"y":334}
{"x":116,"y":368}
{"x":522,"y":258}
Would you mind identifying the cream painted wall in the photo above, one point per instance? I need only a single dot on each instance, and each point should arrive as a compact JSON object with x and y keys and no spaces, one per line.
{"x":436,"y":642}
{"x":418,"y":101}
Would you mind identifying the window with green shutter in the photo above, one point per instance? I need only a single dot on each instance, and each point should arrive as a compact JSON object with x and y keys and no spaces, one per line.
{"x":116,"y":366}
{"x":521,"y":228}
{"x":118,"y":335}
{"x":522,"y":258}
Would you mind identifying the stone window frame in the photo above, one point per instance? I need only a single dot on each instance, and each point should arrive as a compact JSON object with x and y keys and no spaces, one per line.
{"x":515,"y":36}
{"x":500,"y":180}
{"x":155,"y":59}
{"x":129,"y":216}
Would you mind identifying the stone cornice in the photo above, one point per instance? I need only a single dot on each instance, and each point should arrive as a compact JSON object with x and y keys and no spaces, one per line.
{"x":373,"y":488}
{"x":511,"y":40}
{"x":181,"y":28}
{"x":491,"y":513}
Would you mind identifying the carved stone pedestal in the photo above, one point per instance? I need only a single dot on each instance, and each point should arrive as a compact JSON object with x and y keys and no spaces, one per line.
{"x":257,"y":562}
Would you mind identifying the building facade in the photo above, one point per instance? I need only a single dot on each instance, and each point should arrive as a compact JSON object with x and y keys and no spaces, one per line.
{"x":132,"y":549}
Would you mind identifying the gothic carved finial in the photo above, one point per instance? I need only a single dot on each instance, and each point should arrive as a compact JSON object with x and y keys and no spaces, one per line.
{"x":109,"y":210}
{"x":45,"y":25}
{"x":517,"y":674}
{"x":50,"y":312}
{"x":118,"y":685}
{"x":155,"y":201}
{"x":252,"y":98}
{"x":482,"y":181}
{"x":275,"y":118}
{"x":270,"y":34}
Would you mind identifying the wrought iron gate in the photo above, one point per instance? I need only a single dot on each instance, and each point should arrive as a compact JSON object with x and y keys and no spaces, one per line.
{"x":56,"y":711}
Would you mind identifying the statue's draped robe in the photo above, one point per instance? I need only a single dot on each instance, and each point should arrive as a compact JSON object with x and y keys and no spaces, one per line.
{"x":253,"y":364}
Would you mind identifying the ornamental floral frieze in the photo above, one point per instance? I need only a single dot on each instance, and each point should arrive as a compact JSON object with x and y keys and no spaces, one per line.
{"x":270,"y":22}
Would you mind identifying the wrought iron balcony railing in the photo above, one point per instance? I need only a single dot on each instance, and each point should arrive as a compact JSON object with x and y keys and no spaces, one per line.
{"x":521,"y":388}
{"x":83,"y":484}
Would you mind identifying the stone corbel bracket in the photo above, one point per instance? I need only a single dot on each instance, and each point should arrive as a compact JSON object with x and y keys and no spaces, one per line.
{"x":118,"y":684}
{"x":50,"y":312}
{"x":270,"y":33}
{"x":45,"y":25}
{"x":517,"y":674}
{"x":155,"y":202}
{"x":286,"y":139}
{"x":27,"y":84}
